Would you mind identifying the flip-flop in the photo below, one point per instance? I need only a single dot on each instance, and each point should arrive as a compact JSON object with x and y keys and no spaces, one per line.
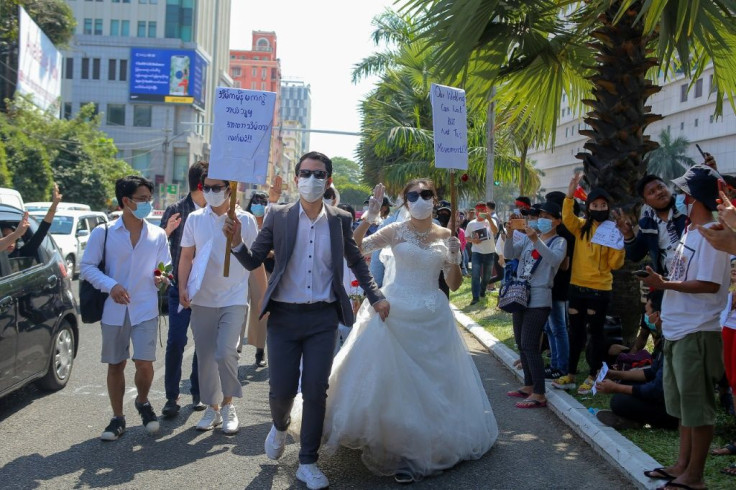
{"x":729,"y":470}
{"x":730,"y":449}
{"x":659,"y":474}
{"x":531,"y":403}
{"x":517,"y":394}
{"x":684,"y":486}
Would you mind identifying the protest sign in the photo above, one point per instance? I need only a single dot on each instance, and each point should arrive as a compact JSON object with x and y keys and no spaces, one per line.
{"x":241,"y":135}
{"x":450,"y":123}
{"x":608,"y":235}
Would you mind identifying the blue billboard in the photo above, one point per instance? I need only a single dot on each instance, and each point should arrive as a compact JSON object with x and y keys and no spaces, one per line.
{"x":167,"y":75}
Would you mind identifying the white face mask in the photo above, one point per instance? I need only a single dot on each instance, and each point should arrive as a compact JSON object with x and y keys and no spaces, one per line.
{"x":328,"y":202}
{"x":311,"y":189}
{"x":421,"y":209}
{"x":215,"y":199}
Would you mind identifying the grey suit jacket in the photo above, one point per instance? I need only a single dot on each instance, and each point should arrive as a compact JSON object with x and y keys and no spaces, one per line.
{"x":278,"y":233}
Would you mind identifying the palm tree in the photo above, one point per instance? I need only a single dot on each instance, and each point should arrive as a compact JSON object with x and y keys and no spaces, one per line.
{"x":397,"y":142}
{"x":670,"y":160}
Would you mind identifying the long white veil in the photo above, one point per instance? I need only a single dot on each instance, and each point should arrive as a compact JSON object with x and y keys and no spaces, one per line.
{"x":387,"y":256}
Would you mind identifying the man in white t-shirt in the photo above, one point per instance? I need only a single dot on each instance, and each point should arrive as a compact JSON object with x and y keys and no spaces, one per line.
{"x":694,"y":297}
{"x":480,"y":233}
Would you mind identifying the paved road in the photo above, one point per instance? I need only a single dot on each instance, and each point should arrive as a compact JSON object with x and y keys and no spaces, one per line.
{"x":51,"y":441}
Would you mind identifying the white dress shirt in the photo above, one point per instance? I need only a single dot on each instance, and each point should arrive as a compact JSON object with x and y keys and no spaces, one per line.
{"x":130,"y":267}
{"x":216,"y":290}
{"x":308,"y":275}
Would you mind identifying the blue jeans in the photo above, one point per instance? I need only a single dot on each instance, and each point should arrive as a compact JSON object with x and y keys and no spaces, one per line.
{"x":556,"y":330}
{"x":175,"y":343}
{"x":481,"y":273}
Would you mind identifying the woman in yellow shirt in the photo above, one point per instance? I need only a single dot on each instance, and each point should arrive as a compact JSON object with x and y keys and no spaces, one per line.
{"x":590,"y":284}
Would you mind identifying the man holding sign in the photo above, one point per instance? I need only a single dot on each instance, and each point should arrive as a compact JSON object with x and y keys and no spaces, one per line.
{"x":306,"y":300}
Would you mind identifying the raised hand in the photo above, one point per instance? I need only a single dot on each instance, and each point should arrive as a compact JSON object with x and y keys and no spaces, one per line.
{"x":726,"y":211}
{"x":23,"y":225}
{"x":622,"y":223}
{"x":232,"y":229}
{"x":55,"y":195}
{"x":531,"y":233}
{"x":710,"y":161}
{"x":374,"y":203}
{"x":274,"y":192}
{"x":173,"y":223}
{"x":574,"y":182}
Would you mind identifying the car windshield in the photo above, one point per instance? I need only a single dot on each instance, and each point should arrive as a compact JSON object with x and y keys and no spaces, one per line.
{"x":62,"y":225}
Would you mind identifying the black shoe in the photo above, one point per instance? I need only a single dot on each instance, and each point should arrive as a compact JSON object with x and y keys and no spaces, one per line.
{"x":148,"y":416}
{"x":474,"y":301}
{"x":607,"y":417}
{"x":260,"y":362}
{"x":171,"y":409}
{"x":550,"y":373}
{"x":483,"y":294}
{"x":403,"y":477}
{"x":115,"y":429}
{"x":197,"y":405}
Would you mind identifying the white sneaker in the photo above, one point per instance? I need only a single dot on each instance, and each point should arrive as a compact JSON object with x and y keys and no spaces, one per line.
{"x":312,"y":476}
{"x":210,"y":419}
{"x":230,"y":422}
{"x":275,"y":443}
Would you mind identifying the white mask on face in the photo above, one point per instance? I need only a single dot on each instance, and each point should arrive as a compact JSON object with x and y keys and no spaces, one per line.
{"x":421,"y":209}
{"x":215,"y":199}
{"x":311,"y":189}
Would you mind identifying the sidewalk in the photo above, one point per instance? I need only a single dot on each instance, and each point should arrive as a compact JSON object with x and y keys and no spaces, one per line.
{"x":621,"y":453}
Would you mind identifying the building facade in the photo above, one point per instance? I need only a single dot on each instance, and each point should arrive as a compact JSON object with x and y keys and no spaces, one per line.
{"x":687,"y":112}
{"x":150,"y":67}
{"x":296,"y":105}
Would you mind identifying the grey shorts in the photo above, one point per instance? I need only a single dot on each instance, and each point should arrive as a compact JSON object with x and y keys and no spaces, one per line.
{"x":116,"y":340}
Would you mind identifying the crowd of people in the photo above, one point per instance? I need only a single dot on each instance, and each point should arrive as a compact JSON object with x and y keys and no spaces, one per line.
{"x":300,"y":271}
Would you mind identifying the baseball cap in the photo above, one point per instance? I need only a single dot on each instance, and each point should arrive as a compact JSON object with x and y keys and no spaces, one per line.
{"x":552,"y":208}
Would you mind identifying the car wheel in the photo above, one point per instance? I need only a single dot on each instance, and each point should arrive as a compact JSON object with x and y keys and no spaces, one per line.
{"x":62,"y":360}
{"x":70,"y":263}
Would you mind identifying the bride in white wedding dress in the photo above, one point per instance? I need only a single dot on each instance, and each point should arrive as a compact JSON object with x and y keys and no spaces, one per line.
{"x":406,"y":391}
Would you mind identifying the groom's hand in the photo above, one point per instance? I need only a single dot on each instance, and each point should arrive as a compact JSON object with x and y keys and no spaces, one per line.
{"x":382,"y":307}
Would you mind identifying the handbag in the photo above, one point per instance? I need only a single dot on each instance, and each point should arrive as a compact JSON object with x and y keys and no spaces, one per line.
{"x":514,"y":294}
{"x":91,"y":299}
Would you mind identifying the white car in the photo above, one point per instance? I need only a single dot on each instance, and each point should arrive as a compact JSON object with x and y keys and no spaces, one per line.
{"x":33,"y":207}
{"x":70,"y":230}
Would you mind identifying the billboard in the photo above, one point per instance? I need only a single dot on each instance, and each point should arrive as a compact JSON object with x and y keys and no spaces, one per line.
{"x":39,"y":65}
{"x":167,"y":75}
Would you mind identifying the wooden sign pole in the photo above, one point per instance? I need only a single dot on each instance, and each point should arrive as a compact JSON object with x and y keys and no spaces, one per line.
{"x":453,"y":202}
{"x":231,"y":215}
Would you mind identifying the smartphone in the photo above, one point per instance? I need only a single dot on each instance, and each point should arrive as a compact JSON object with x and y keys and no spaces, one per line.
{"x":700,"y":150}
{"x":641,"y":273}
{"x":517,"y":224}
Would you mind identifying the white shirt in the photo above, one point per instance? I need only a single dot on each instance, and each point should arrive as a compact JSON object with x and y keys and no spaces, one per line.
{"x":686,"y":313}
{"x":486,"y":246}
{"x":130,"y":267}
{"x":308,"y":275}
{"x":216,"y":290}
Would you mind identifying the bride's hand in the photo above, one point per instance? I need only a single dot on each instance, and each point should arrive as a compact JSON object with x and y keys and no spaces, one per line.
{"x":374,"y":203}
{"x":382,"y":307}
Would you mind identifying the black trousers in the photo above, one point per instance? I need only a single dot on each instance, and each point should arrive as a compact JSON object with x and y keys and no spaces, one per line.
{"x":590,"y":307}
{"x":652,"y":413}
{"x":297,"y":334}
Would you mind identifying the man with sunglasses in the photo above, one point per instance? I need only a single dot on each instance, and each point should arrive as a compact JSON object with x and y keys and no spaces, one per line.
{"x":306,"y":300}
{"x":480,"y":233}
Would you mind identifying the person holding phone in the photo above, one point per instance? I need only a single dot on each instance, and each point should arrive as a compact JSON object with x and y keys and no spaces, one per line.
{"x":481,"y":232}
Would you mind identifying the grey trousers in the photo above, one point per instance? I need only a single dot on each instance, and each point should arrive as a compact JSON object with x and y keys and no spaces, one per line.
{"x":216,"y":338}
{"x":294,"y":334}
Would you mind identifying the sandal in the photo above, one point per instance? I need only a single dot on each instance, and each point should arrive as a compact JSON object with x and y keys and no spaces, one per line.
{"x":518,"y":394}
{"x":727,"y":450}
{"x":659,"y":474}
{"x":729,"y":470}
{"x":531,"y":403}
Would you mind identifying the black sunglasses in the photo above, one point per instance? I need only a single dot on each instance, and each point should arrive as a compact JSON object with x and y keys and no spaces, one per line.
{"x":214,"y":188}
{"x":259,"y":200}
{"x":426,"y":194}
{"x":318,"y":174}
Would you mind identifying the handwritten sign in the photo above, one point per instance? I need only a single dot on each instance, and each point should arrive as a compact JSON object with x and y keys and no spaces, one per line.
{"x":241,"y":137}
{"x":450,"y":122}
{"x":608,"y":235}
{"x":601,"y":376}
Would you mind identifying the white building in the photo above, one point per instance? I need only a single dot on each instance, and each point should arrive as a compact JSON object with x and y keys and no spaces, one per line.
{"x":151,"y":67}
{"x":685,"y":114}
{"x":296,"y":105}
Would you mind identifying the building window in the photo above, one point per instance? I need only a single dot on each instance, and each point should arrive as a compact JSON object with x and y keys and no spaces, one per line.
{"x":85,"y":68}
{"x":114,"y":27}
{"x":252,"y":85}
{"x":141,"y":160}
{"x":181,"y":166}
{"x":264,"y":71}
{"x":115,"y":1}
{"x":711,"y":118}
{"x":696,"y":122}
{"x":69,"y":69}
{"x":236,"y":71}
{"x":142,"y":1}
{"x":95,"y":68}
{"x":67,"y":110}
{"x":712,"y":85}
{"x":87,"y":26}
{"x":98,"y":27}
{"x":116,"y":114}
{"x":142,"y":116}
{"x":254,"y":72}
{"x":263,"y":85}
{"x":698,"y":88}
{"x":123,"y":71}
{"x":125,"y":28}
{"x":141,"y":28}
{"x":683,"y":92}
{"x":152,"y":29}
{"x":97,"y":107}
{"x":112,"y":66}
{"x":682,"y":126}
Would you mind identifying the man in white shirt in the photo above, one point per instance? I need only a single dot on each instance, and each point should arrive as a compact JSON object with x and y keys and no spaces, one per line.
{"x":480,"y":233}
{"x":306,"y":300}
{"x":133,"y":249}
{"x":219,"y":304}
{"x":695,"y":294}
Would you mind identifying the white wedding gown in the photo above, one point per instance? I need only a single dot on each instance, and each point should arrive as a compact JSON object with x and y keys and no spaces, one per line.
{"x":406,"y":391}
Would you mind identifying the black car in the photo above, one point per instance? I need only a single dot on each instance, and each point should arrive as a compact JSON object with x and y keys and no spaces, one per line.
{"x":39,"y":326}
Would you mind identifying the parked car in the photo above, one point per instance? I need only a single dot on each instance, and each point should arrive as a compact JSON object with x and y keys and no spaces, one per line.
{"x":11,"y":197}
{"x":39,"y":325}
{"x":155,"y":217}
{"x":44,"y":206}
{"x":71,"y":230}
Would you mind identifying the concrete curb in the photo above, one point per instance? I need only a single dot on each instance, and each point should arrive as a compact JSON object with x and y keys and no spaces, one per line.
{"x":612,"y":446}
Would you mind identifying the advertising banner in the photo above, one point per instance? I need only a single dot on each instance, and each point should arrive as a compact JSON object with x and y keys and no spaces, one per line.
{"x":167,"y":75}
{"x":39,"y":65}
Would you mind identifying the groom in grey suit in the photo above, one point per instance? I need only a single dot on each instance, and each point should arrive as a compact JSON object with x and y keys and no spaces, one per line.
{"x":306,"y":299}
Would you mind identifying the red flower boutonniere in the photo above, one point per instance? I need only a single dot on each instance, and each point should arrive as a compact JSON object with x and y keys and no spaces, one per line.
{"x":535,"y":255}
{"x":164,"y":271}
{"x":356,"y":294}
